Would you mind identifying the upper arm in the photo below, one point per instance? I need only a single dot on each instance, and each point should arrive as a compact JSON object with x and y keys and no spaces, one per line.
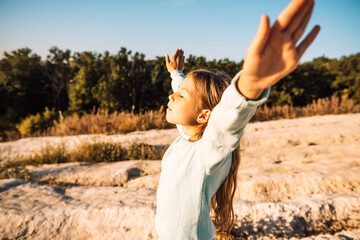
{"x":226,"y":124}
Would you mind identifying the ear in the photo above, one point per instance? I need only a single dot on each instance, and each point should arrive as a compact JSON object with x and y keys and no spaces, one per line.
{"x":204,"y":116}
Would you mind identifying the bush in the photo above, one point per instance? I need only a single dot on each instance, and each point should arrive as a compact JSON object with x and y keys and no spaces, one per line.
{"x":15,"y":169}
{"x":90,"y":152}
{"x":49,"y":155}
{"x":98,"y":152}
{"x":30,"y":124}
{"x":145,"y":151}
{"x":37,"y":123}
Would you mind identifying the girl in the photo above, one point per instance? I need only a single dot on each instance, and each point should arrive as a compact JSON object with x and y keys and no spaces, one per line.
{"x":199,"y":168}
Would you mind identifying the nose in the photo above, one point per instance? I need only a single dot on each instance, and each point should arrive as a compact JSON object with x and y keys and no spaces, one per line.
{"x":171,"y":97}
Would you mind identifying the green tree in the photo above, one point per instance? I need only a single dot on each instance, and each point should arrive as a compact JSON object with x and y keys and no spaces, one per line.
{"x":309,"y":81}
{"x":126,"y":81}
{"x":59,"y":73}
{"x":193,"y":63}
{"x":347,"y":82}
{"x":225,"y":65}
{"x":22,"y":86}
{"x":140,"y":81}
{"x":160,"y":83}
{"x":87,"y":74}
{"x":112,"y":90}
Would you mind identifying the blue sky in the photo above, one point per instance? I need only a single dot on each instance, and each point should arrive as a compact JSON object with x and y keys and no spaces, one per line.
{"x":214,"y":29}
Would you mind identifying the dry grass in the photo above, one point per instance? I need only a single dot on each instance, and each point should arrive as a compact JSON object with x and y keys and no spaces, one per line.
{"x":323,"y":106}
{"x":102,"y":122}
{"x":88,"y":152}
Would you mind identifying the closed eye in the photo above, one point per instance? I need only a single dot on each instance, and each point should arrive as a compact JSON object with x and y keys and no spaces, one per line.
{"x":181,"y":90}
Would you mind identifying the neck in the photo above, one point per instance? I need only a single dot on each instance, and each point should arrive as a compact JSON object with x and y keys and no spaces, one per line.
{"x":191,"y":130}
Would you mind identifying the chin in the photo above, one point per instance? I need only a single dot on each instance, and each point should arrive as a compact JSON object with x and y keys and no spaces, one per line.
{"x":168,"y":118}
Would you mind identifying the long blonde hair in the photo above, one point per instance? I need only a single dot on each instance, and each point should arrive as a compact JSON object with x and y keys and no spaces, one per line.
{"x":210,"y":87}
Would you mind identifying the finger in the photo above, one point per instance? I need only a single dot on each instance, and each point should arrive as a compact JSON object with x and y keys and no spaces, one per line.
{"x":287,"y":15}
{"x":167,"y":59}
{"x":261,"y":36}
{"x":299,"y":19}
{"x":299,"y":32}
{"x":307,"y":41}
{"x":182,"y":63}
{"x":181,"y":54}
{"x":175,"y":54}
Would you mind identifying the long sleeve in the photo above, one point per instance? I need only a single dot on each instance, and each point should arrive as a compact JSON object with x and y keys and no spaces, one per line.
{"x":187,"y":182}
{"x":177,"y":77}
{"x":226,"y":124}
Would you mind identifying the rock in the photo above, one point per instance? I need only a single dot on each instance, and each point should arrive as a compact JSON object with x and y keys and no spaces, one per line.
{"x":298,"y":218}
{"x":31,"y":211}
{"x":298,"y":179}
{"x":291,"y":180}
{"x":5,"y":184}
{"x":98,"y":174}
{"x":328,"y":129}
{"x":343,"y":235}
{"x":149,"y":181}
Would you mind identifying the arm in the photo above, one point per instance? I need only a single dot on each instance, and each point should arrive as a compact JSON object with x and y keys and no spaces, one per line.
{"x":226,"y":124}
{"x":271,"y":56}
{"x":175,"y":68}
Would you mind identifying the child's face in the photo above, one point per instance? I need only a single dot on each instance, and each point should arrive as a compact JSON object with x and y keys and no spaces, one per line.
{"x":183,"y":105}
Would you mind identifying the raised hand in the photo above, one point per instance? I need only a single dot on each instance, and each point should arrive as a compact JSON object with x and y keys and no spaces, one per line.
{"x":274,"y":51}
{"x":177,"y":61}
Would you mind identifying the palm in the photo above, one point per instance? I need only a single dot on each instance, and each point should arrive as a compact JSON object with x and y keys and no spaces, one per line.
{"x":177,"y":61}
{"x":279,"y":57}
{"x":273,"y":53}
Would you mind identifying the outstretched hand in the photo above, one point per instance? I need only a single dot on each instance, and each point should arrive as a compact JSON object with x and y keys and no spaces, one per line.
{"x":177,"y":61}
{"x":274,"y":51}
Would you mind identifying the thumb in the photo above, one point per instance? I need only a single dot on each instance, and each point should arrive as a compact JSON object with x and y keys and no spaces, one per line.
{"x":167,"y":59}
{"x":261,"y":35}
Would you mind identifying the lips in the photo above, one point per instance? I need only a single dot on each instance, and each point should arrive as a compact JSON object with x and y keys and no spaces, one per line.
{"x":169,"y":108}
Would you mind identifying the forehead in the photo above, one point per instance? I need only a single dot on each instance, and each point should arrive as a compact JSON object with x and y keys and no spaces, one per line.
{"x":188,"y":84}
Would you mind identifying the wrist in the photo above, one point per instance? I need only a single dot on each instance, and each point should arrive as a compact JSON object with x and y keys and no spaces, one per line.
{"x":248,"y":88}
{"x":177,"y":73}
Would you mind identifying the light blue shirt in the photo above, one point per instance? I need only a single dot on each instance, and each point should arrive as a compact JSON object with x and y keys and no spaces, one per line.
{"x":192,"y":172}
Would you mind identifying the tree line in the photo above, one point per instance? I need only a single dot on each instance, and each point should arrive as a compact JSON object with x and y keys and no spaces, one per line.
{"x":82,"y":82}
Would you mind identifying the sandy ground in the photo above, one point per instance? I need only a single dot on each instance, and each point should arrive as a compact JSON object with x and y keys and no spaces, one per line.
{"x":298,"y":179}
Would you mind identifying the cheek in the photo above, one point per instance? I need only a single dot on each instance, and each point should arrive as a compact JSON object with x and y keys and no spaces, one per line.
{"x":190,"y":115}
